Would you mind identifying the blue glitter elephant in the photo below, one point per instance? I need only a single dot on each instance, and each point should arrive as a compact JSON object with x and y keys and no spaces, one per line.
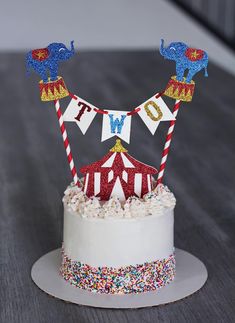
{"x":45,"y":61}
{"x":186,"y":58}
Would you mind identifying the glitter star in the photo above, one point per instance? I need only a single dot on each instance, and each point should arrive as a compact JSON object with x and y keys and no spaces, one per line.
{"x":40,"y":54}
{"x":194,"y":54}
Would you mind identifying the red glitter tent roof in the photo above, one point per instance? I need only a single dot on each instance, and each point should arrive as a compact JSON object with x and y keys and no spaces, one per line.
{"x":117,"y":158}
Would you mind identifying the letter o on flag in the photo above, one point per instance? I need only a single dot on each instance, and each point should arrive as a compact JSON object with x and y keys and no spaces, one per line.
{"x":157,"y":109}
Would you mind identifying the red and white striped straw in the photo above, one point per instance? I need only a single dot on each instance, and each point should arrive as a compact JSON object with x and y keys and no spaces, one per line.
{"x":168,"y":143}
{"x":66,"y":142}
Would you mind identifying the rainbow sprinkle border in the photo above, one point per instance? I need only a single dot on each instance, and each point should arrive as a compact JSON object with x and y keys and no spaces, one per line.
{"x":124,"y":280}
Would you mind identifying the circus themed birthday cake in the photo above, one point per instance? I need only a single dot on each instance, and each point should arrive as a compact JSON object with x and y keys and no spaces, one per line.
{"x":118,"y":235}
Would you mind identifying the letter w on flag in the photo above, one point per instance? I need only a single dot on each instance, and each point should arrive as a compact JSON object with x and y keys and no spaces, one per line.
{"x":116,"y":123}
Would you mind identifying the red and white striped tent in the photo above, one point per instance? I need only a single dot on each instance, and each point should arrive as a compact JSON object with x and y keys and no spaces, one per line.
{"x":117,"y":174}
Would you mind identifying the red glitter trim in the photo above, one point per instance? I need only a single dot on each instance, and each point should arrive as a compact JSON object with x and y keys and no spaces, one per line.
{"x":101,"y":111}
{"x":159,"y":95}
{"x":133,"y":112}
{"x":72,"y":96}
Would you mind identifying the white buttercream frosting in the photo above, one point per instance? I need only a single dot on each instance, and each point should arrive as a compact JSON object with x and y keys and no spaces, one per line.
{"x":152,"y":203}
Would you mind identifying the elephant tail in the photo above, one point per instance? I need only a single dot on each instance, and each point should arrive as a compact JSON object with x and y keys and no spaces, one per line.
{"x":206,"y":73}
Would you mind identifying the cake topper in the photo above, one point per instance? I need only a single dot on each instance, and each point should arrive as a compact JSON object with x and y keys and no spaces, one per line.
{"x":45,"y":62}
{"x":52,"y":86}
{"x":120,"y":175}
{"x":191,"y":59}
{"x":116,"y":122}
{"x":180,"y":87}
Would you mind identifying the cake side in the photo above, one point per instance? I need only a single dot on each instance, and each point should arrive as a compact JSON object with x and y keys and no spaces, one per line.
{"x":117,"y":242}
{"x":127,"y":250}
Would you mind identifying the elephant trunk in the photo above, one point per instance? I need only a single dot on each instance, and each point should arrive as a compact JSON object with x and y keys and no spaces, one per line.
{"x":162,"y":49}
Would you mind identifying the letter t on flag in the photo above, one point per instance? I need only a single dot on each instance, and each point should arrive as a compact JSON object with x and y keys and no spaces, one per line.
{"x":116,"y":123}
{"x":81,"y":112}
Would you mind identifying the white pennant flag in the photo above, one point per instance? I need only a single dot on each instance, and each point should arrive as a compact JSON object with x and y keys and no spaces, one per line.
{"x":153,"y":111}
{"x":81,"y":112}
{"x":116,"y":123}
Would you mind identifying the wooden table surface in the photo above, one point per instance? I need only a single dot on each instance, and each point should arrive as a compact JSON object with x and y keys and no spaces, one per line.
{"x":34,"y":174}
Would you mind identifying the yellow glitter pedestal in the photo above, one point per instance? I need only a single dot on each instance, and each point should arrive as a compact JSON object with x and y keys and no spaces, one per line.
{"x":53,"y":90}
{"x":180,"y":90}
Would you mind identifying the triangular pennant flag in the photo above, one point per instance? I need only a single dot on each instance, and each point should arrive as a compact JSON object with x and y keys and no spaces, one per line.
{"x":116,"y":123}
{"x":153,"y":111}
{"x":81,"y":112}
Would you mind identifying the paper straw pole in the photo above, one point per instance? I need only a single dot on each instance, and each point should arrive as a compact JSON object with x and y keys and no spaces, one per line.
{"x":168,"y":143}
{"x":66,"y":142}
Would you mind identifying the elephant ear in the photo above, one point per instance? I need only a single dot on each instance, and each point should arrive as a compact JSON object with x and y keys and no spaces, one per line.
{"x":194,"y":54}
{"x":40,"y":54}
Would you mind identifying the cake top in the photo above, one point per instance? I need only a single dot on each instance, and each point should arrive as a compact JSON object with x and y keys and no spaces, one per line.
{"x":156,"y":203}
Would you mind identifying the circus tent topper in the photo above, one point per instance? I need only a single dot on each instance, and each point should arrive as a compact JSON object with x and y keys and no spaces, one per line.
{"x":117,"y":174}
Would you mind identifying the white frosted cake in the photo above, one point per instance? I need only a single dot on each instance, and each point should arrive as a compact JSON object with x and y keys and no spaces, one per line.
{"x":118,"y":246}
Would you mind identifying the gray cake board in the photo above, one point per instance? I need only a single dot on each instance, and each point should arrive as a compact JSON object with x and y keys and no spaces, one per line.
{"x":191,"y":275}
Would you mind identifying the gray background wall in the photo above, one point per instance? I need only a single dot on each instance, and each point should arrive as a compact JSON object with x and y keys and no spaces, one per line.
{"x":219,"y":14}
{"x":104,"y":24}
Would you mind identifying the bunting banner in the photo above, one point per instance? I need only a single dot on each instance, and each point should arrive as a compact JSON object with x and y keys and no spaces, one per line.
{"x":81,"y":112}
{"x":153,"y":111}
{"x":116,"y":123}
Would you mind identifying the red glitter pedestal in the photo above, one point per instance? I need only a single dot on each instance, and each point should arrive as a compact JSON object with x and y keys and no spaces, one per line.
{"x":180,"y":90}
{"x":53,"y":90}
